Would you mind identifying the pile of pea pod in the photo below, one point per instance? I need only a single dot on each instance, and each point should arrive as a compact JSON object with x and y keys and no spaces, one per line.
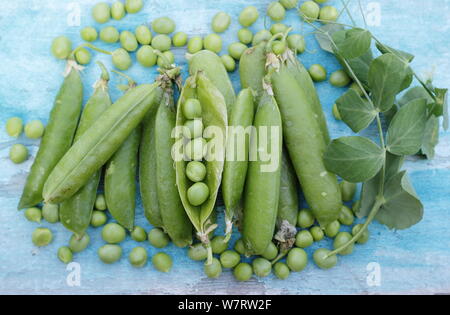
{"x":138,"y":135}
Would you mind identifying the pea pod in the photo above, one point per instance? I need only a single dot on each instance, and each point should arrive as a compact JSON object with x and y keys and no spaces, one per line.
{"x":252,"y":69}
{"x":262,"y":189}
{"x":289,"y":204}
{"x":236,"y":163}
{"x":76,"y":212}
{"x":58,"y":136}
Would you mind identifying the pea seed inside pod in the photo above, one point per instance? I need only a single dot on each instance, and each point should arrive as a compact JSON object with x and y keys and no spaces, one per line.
{"x":192,"y":109}
{"x":193,"y":129}
{"x":197,"y":194}
{"x":195,"y":150}
{"x":196,"y":171}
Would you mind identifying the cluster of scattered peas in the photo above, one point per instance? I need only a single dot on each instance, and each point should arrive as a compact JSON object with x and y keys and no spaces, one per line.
{"x":18,"y":153}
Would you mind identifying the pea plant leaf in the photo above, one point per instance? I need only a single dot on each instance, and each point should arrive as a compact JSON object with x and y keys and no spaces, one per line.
{"x":355,"y":159}
{"x":413,"y":94}
{"x":384,"y":49}
{"x":430,"y":137}
{"x":323,"y":36}
{"x":387,"y":77}
{"x":405,"y":133}
{"x":356,"y":112}
{"x":356,"y":43}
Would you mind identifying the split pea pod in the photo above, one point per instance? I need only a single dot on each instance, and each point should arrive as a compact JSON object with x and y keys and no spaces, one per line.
{"x":289,"y":204}
{"x":76,"y":212}
{"x":236,"y":163}
{"x":262,"y":189}
{"x":252,"y":69}
{"x":58,"y":136}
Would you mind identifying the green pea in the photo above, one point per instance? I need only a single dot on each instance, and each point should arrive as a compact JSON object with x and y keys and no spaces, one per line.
{"x":317,"y":233}
{"x":133,"y":6}
{"x":89,"y":34}
{"x":213,"y":42}
{"x":100,"y":202}
{"x":34,"y":129}
{"x":83,"y":56}
{"x":113,"y":233}
{"x":297,"y":43}
{"x":276,"y":11}
{"x":118,"y":10}
{"x":213,"y":270}
{"x":196,"y":171}
{"x":332,"y":229}
{"x":163,"y":25}
{"x":33,"y":215}
{"x":346,"y":216}
{"x":262,"y":267}
{"x":305,"y":218}
{"x":166,"y":60}
{"x":248,"y":16}
{"x":121,"y":59}
{"x":161,"y":42}
{"x":271,"y":252}
{"x":321,"y":259}
{"x":336,"y":113}
{"x":193,"y":129}
{"x":192,"y":109}
{"x":289,"y":4}
{"x":364,"y":238}
{"x":219,"y":245}
{"x":318,"y":73}
{"x":61,"y":47}
{"x":143,"y":35}
{"x":340,"y":78}
{"x":197,"y":252}
{"x":195,"y":44}
{"x":243,"y":272}
{"x":138,"y":257}
{"x":356,"y":206}
{"x":229,"y":259}
{"x":321,"y":1}
{"x":197,"y":194}
{"x":354,"y":86}
{"x":221,"y":22}
{"x":146,"y":56}
{"x":195,"y":150}
{"x":99,"y":218}
{"x":278,"y":28}
{"x":304,"y":239}
{"x":14,"y":127}
{"x":138,"y":234}
{"x":101,"y":12}
{"x":328,"y":14}
{"x":228,"y":62}
{"x":77,"y":245}
{"x":297,"y":259}
{"x":310,"y":10}
{"x":245,"y":36}
{"x":42,"y":237}
{"x":341,"y":239}
{"x":180,"y":39}
{"x":128,"y":41}
{"x":162,"y":262}
{"x":50,"y":213}
{"x":110,"y":254}
{"x":261,"y":36}
{"x":65,"y":255}
{"x":281,"y":270}
{"x":158,"y":238}
{"x":109,"y":35}
{"x":239,"y":246}
{"x":236,"y":50}
{"x":279,"y":47}
{"x":18,"y":153}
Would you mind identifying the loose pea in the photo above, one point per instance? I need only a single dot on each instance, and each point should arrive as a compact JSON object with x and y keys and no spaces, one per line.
{"x":356,"y":206}
{"x":328,"y":14}
{"x":221,"y":22}
{"x":196,"y":171}
{"x":50,"y":213}
{"x":138,"y":257}
{"x":336,"y":113}
{"x":195,"y":44}
{"x":197,"y":194}
{"x":346,"y":216}
{"x":34,"y":129}
{"x":193,"y":129}
{"x":166,"y":60}
{"x":279,"y":47}
{"x":195,"y":150}
{"x":213,"y":42}
{"x":163,"y":25}
{"x":146,"y":56}
{"x":138,"y":234}
{"x":61,"y":47}
{"x":197,"y":252}
{"x":317,"y":233}
{"x":271,"y":252}
{"x":261,"y":36}
{"x":354,"y":86}
{"x":158,"y":238}
{"x":239,"y":246}
{"x":305,"y":219}
{"x":110,"y":35}
{"x":262,"y":267}
{"x":14,"y":127}
{"x":339,"y":78}
{"x":364,"y":236}
{"x":133,"y":6}
{"x":236,"y":50}
{"x":101,"y":12}
{"x":248,"y":16}
{"x":162,"y":262}
{"x":289,"y":4}
{"x":332,"y":229}
{"x":297,"y":43}
{"x":83,"y":56}
{"x":180,"y":39}
{"x":18,"y":153}
{"x":65,"y":255}
{"x":229,"y":259}
{"x":89,"y":34}
{"x":161,"y":42}
{"x":276,"y":11}
{"x":42,"y":237}
{"x":281,"y":270}
{"x":213,"y":270}
{"x":128,"y":41}
{"x":33,"y":215}
{"x":278,"y":28}
{"x":297,"y":259}
{"x":77,"y":245}
{"x":110,"y":254}
{"x":243,"y":272}
{"x":99,"y":218}
{"x":318,"y":73}
{"x":321,"y":259}
{"x":100,"y":202}
{"x":143,"y":35}
{"x":113,"y":233}
{"x":245,"y":36}
{"x":310,"y":10}
{"x":304,"y":239}
{"x":121,"y":59}
{"x":219,"y":245}
{"x":118,"y":10}
{"x":341,"y":239}
{"x":228,"y":62}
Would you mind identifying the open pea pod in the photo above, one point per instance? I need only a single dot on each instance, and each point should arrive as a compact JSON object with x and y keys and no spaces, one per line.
{"x":214,"y":115}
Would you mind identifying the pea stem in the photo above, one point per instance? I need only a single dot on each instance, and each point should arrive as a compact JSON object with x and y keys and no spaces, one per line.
{"x":72,"y":55}
{"x":105,"y":73}
{"x":131,"y":82}
{"x":279,"y":257}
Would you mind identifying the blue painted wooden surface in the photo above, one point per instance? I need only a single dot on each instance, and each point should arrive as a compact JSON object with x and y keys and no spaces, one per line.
{"x":412,"y":261}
